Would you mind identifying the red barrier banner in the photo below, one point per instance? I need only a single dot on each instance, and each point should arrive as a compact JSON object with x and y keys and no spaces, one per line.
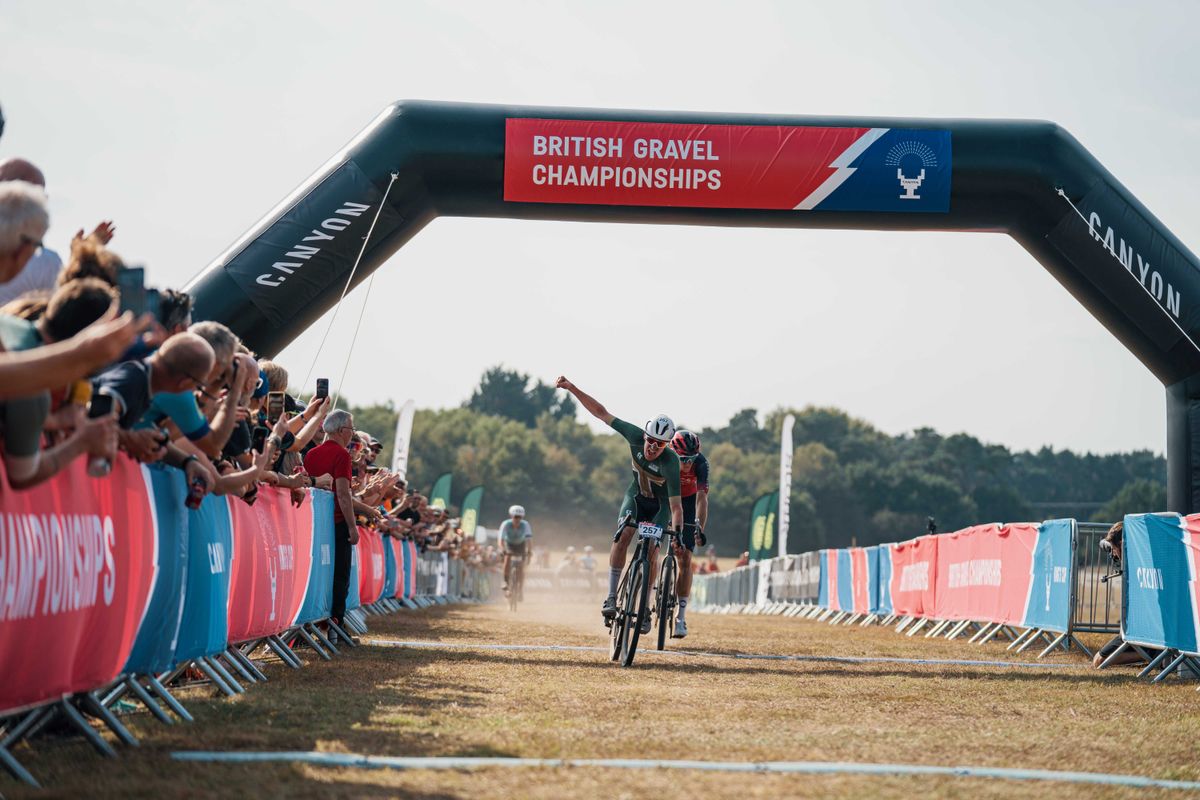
{"x":914,"y":569}
{"x":77,"y":566}
{"x":983,"y":573}
{"x":371,"y":568}
{"x":272,"y":555}
{"x":859,"y":580}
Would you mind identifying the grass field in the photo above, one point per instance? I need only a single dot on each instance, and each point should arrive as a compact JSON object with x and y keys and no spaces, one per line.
{"x":391,"y":701}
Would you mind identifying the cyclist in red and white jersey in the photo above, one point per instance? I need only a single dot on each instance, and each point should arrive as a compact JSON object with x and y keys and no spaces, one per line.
{"x":693,"y":486}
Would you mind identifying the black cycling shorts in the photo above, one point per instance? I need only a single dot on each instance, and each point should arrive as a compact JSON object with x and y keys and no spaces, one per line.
{"x":643,"y":509}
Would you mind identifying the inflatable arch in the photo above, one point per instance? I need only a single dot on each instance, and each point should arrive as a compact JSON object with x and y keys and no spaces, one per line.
{"x":1029,"y":179}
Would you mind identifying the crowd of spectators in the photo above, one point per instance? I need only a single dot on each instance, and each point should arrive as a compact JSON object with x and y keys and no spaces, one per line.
{"x":82,"y":379}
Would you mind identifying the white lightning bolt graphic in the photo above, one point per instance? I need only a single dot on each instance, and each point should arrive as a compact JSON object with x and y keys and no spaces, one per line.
{"x":843,"y":169}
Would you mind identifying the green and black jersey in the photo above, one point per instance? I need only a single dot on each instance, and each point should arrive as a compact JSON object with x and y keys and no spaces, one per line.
{"x":658,"y":478}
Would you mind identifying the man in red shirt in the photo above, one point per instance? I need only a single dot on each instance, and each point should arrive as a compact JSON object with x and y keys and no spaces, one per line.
{"x":332,"y":458}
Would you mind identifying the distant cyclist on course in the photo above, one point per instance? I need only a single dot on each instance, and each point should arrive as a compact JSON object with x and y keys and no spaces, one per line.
{"x":516,"y":537}
{"x":693,"y":479}
{"x":653,"y":496}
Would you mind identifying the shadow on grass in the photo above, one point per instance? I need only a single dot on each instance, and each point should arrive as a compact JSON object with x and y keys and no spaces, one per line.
{"x":699,"y":666}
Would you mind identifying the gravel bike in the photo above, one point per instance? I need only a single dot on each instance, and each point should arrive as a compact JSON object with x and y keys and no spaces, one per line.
{"x":633,"y":593}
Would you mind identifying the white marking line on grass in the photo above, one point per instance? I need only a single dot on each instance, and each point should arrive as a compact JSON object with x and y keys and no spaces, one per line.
{"x":702,"y":654}
{"x":803,"y":767}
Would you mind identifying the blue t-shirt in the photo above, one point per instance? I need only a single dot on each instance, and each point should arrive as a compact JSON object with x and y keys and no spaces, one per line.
{"x":515,"y":534}
{"x":182,"y":409}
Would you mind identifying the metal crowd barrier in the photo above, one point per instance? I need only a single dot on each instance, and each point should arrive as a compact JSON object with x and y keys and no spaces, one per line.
{"x":794,"y":580}
{"x":1097,"y":605}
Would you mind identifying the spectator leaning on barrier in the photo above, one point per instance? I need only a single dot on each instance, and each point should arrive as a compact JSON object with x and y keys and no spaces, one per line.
{"x":72,"y":309}
{"x":174,"y":367}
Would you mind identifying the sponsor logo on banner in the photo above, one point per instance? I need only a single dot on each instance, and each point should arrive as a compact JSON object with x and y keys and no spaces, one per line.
{"x":311,"y":246}
{"x":54,"y":563}
{"x":77,"y":572}
{"x":792,"y":167}
{"x":915,"y":577}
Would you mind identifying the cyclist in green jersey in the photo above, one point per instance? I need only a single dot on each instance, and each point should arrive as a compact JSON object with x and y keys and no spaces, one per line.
{"x":652,"y":496}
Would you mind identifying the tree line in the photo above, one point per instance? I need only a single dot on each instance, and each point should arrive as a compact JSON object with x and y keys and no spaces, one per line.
{"x":852,"y":483}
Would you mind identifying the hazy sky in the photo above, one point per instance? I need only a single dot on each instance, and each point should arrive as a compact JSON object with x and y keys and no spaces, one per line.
{"x":187,"y":122}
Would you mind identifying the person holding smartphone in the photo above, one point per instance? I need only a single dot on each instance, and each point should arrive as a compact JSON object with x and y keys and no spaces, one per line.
{"x":333,"y":458}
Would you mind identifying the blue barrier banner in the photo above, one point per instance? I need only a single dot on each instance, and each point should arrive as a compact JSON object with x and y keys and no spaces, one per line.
{"x":882,"y":602}
{"x":389,"y":568}
{"x":1159,"y":581}
{"x":1049,"y":603}
{"x":872,"y":579}
{"x":823,"y":594}
{"x":318,"y":600}
{"x":205,"y":627}
{"x":353,"y":596}
{"x":409,"y":551}
{"x":845,"y":580}
{"x":154,"y":647}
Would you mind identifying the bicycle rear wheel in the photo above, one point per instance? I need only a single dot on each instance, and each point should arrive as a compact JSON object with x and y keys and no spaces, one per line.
{"x":636,"y":609}
{"x":665,"y":605}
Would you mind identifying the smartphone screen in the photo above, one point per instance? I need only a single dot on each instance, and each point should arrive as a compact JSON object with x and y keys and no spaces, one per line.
{"x":101,"y":405}
{"x":322,"y":388}
{"x":274,"y":405}
{"x":131,"y":282}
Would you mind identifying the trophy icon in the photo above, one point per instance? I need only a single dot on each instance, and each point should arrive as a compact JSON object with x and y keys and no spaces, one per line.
{"x":910,"y":184}
{"x":916,"y":156}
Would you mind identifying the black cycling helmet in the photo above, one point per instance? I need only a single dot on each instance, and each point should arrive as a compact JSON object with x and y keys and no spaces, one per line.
{"x":686,"y":444}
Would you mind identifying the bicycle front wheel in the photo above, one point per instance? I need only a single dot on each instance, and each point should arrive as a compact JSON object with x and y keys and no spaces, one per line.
{"x":636,"y":609}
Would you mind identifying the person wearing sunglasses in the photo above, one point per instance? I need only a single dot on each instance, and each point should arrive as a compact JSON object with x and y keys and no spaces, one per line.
{"x":693,"y":480}
{"x":653,"y":495}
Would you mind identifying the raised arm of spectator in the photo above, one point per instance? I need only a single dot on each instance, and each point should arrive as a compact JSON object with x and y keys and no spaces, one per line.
{"x":227,"y":408}
{"x":590,"y":403}
{"x":317,"y":410}
{"x":58,"y":364}
{"x":194,"y":466}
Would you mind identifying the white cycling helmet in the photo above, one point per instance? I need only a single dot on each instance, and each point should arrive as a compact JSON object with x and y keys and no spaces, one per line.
{"x":661,"y":428}
{"x":516,"y":511}
{"x":588,"y":549}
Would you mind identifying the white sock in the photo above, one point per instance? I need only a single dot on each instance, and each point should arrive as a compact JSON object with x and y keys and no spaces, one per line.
{"x":682,"y":608}
{"x":614,"y":578}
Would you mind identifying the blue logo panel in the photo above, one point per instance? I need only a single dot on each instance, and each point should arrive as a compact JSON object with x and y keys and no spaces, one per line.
{"x":154,"y":647}
{"x":1158,"y":609}
{"x":901,"y":170}
{"x":1049,"y":603}
{"x":318,"y":601}
{"x":845,"y":581}
{"x":389,"y":568}
{"x":881,"y":597}
{"x":205,"y":629}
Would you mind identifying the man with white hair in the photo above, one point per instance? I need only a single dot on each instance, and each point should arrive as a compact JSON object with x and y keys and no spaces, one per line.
{"x":24,"y":220}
